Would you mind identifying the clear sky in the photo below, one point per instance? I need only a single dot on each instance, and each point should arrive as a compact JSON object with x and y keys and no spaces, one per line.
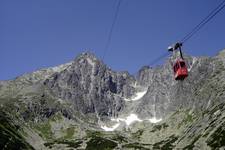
{"x":41,"y":33}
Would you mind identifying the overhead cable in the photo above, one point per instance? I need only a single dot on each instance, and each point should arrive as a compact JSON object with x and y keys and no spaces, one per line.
{"x":111,"y":29}
{"x":209,"y":17}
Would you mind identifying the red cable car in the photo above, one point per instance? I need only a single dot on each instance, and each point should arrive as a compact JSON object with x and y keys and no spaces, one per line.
{"x":179,"y":67}
{"x":180,"y":70}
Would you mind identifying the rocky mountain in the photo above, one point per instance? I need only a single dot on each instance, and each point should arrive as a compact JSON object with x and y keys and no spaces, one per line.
{"x":85,"y":105}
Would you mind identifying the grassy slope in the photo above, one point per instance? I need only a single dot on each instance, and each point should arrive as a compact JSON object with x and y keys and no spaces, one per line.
{"x":10,"y":138}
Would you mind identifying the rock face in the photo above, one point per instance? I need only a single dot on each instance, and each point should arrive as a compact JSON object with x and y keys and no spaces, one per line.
{"x":91,"y":86}
{"x":73,"y":101}
{"x":166,"y":95}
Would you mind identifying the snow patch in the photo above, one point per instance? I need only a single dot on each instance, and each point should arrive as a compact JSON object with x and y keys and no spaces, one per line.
{"x":128,"y":121}
{"x":110,"y":128}
{"x":137,"y":96}
{"x":132,"y":118}
{"x":155,"y":120}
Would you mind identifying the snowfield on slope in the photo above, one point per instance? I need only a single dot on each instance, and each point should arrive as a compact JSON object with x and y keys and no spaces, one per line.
{"x":110,"y":128}
{"x":128,"y":121}
{"x":137,"y":96}
{"x":155,"y":120}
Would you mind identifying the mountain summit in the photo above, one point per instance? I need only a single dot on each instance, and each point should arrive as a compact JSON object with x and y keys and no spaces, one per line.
{"x":85,"y":105}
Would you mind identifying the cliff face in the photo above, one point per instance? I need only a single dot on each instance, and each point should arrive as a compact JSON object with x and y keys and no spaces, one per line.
{"x":91,"y":86}
{"x":67,"y":101}
{"x":164,"y":93}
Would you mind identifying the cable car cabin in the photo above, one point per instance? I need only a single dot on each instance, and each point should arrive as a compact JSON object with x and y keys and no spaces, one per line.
{"x":180,"y":70}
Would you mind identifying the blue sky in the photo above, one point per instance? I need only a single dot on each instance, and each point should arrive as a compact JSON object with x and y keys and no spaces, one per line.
{"x":37,"y":34}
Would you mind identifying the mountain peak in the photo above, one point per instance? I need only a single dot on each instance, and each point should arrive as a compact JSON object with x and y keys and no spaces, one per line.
{"x":87,"y":58}
{"x":86,"y":55}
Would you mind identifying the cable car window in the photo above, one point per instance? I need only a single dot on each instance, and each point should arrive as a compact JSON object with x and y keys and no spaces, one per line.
{"x":182,"y":64}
